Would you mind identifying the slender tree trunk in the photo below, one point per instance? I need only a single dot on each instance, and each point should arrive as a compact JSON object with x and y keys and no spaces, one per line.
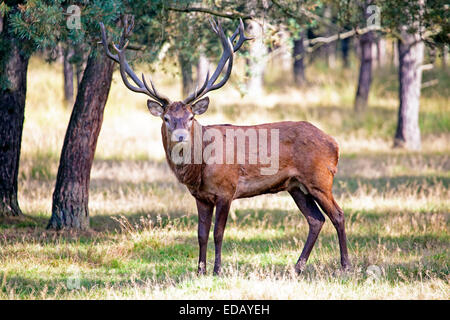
{"x":444,"y":56}
{"x":202,"y":69}
{"x":186,"y":74}
{"x":285,"y":55}
{"x":330,"y":48}
{"x":299,"y":58}
{"x":381,"y":51}
{"x":395,"y":57}
{"x":410,"y":53}
{"x":13,"y":87}
{"x":365,"y":72}
{"x":256,"y":63}
{"x":68,"y":76}
{"x":345,"y":45}
{"x":70,"y":198}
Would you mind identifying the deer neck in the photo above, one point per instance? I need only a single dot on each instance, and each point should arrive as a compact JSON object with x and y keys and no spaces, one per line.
{"x":187,"y":173}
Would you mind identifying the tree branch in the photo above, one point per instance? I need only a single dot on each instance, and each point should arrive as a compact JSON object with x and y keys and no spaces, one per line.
{"x":319,"y":41}
{"x":306,"y":13}
{"x":232,"y":14}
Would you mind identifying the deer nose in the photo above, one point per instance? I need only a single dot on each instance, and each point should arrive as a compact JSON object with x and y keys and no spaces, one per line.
{"x":180,"y":135}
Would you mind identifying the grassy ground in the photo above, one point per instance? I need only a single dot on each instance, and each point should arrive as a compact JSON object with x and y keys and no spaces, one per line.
{"x":143,"y":241}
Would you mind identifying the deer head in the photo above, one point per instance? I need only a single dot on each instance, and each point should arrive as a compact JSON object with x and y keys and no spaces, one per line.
{"x":178,"y":117}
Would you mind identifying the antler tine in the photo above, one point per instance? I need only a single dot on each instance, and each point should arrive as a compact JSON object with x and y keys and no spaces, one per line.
{"x":227,"y":56}
{"x":242,"y":37}
{"x":125,"y":69}
{"x":105,"y":44}
{"x":214,"y":25}
{"x":227,"y":52}
{"x":229,"y":68}
{"x":155,"y":94}
{"x":193,"y":96}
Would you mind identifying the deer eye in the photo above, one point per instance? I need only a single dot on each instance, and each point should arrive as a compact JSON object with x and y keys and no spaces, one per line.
{"x":166,"y":119}
{"x":191,"y":117}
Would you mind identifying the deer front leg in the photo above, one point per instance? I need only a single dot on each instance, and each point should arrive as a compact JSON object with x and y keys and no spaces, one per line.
{"x":205,"y":211}
{"x":222,"y":209}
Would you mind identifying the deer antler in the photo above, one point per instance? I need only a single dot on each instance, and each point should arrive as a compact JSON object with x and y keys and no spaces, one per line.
{"x":227,"y":55}
{"x":125,"y":69}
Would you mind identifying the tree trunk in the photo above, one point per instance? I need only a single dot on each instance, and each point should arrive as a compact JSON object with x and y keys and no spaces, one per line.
{"x":80,"y":64}
{"x":444,"y":56}
{"x":70,"y":198}
{"x":395,"y":58}
{"x":68,"y":76}
{"x":330,"y":48}
{"x":299,"y":58}
{"x":186,"y":74}
{"x":380,"y":47}
{"x":345,"y":46}
{"x":13,"y":87}
{"x":365,"y":72}
{"x":79,"y":75}
{"x":202,"y":69}
{"x":410,"y":53}
{"x":256,"y":63}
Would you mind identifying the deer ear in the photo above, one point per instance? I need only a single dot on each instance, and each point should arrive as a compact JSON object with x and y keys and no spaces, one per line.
{"x":155,"y":108}
{"x":200,"y":106}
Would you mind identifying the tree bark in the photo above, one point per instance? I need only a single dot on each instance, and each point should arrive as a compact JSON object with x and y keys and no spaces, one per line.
{"x":13,"y":87}
{"x":410,"y":53}
{"x":68,"y":76}
{"x":299,"y":58}
{"x":186,"y":74}
{"x":365,"y":72}
{"x":70,"y":198}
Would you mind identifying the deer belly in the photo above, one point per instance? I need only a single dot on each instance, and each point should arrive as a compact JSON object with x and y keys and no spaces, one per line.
{"x":253,"y":186}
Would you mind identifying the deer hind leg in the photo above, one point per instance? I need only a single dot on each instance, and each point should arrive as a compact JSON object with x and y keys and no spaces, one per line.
{"x":315,"y":218}
{"x":222,"y":210}
{"x":334,"y":212}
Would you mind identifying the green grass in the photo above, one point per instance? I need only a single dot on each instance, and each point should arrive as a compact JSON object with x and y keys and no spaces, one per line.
{"x":143,"y":243}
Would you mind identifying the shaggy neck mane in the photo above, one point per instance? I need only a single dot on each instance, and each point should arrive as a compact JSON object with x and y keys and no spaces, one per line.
{"x":188,"y":174}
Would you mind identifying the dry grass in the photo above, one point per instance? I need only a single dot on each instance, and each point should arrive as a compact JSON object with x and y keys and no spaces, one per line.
{"x":143,"y":240}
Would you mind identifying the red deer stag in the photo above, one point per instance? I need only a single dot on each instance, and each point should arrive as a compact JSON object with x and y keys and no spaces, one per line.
{"x":303,"y":159}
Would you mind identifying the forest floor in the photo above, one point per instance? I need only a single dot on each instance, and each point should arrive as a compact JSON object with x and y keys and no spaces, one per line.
{"x":143,"y":243}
